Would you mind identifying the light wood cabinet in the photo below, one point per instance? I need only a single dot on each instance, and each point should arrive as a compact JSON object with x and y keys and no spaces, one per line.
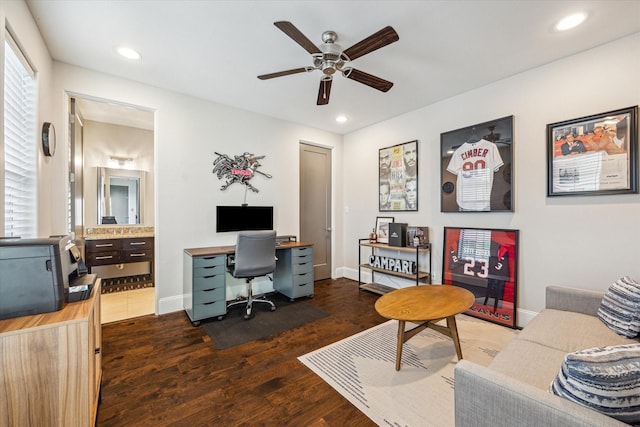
{"x":51,"y":366}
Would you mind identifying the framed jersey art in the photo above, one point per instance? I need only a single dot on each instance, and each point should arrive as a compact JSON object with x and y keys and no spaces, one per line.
{"x":485,"y":262}
{"x":477,"y":166}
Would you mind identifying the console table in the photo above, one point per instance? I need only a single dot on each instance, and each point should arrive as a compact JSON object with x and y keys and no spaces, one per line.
{"x":204,"y":277}
{"x":50,"y":367}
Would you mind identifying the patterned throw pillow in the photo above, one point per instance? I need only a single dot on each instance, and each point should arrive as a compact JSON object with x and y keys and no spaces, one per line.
{"x":620,"y":307}
{"x":605,"y":379}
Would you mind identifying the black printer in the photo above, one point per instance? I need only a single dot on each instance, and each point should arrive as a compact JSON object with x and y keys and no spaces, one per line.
{"x":35,"y":275}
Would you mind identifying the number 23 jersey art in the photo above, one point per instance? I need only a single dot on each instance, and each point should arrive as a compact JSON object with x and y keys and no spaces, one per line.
{"x":474,"y":164}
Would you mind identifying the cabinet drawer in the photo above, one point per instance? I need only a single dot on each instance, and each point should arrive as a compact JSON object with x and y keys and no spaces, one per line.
{"x":208,"y":282}
{"x":304,"y":278}
{"x":145,"y":243}
{"x":208,"y":271}
{"x":210,"y":309}
{"x":307,"y":250}
{"x":304,"y":267}
{"x":209,"y":296}
{"x":102,"y":245}
{"x":302,"y":258}
{"x":302,"y":290}
{"x":137,"y":255}
{"x":103,"y":258}
{"x":208,"y":261}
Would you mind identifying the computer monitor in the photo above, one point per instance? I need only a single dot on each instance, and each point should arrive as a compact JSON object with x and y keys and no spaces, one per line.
{"x":238,"y":218}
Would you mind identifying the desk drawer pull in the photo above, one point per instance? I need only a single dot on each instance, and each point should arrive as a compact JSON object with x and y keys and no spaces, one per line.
{"x":209,"y":303}
{"x":105,"y":257}
{"x":209,"y":290}
{"x":210,"y":257}
{"x":104,"y":245}
{"x":137,"y":243}
{"x":138,"y":255}
{"x":209,"y":277}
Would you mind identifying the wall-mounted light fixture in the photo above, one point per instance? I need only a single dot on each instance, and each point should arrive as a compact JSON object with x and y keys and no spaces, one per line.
{"x":120,"y":161}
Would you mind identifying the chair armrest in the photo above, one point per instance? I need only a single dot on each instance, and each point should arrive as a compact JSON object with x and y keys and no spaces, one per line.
{"x":573,"y":299}
{"x":485,"y":398}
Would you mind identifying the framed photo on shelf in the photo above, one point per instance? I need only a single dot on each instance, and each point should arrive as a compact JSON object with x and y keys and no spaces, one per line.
{"x":476,"y":167}
{"x":398,"y":177}
{"x":485,"y":262}
{"x":382,"y":228}
{"x":593,"y":155}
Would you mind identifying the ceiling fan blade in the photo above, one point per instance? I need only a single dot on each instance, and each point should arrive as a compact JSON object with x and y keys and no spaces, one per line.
{"x":385,"y":36}
{"x":282,"y":73}
{"x":324,"y":92}
{"x":289,"y":29}
{"x":368,"y":79}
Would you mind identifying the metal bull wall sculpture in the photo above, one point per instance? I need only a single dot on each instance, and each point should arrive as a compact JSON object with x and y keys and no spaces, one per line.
{"x":239,"y":169}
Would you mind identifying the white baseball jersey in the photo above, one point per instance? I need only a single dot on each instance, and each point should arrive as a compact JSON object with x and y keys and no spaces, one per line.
{"x":474,"y":164}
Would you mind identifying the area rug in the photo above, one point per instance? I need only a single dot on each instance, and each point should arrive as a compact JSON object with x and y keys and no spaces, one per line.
{"x":234,"y":330}
{"x":362,"y":369}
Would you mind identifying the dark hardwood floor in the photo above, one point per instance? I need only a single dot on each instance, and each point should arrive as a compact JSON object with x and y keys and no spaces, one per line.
{"x":162,"y":371}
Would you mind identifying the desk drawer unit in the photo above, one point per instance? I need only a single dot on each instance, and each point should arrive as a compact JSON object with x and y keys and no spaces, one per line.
{"x":204,"y":287}
{"x":294,"y":272}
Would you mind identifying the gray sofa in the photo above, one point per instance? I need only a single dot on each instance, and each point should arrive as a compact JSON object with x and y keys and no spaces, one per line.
{"x":513,"y":389}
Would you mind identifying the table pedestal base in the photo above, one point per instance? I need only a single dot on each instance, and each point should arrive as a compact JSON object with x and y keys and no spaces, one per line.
{"x":451,"y":330}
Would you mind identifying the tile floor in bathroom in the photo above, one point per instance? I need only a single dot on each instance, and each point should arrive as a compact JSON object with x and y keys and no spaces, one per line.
{"x":116,"y":306}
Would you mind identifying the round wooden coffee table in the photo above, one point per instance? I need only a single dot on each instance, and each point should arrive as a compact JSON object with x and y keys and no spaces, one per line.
{"x":425,"y":305}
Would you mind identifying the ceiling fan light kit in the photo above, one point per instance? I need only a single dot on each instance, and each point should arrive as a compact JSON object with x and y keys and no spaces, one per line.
{"x":329,"y":57}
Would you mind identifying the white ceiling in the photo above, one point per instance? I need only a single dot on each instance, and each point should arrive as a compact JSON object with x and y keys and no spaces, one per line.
{"x":215,"y":49}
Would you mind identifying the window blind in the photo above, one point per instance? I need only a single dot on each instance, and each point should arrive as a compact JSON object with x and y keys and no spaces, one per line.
{"x":20,"y":147}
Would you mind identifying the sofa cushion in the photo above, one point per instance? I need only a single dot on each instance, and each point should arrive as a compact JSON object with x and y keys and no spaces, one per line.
{"x":569,"y":331}
{"x":620,"y":307}
{"x":529,"y":362}
{"x":606,"y":379}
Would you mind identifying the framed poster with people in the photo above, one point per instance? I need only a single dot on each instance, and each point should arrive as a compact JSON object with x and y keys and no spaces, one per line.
{"x":476,"y":167}
{"x":398,"y":177}
{"x":593,"y":155}
{"x":485,"y":262}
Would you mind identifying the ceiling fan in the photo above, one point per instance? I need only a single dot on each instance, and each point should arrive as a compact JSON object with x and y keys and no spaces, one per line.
{"x":329,"y":57}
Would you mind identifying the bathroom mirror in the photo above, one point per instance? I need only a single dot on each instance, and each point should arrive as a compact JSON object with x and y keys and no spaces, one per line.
{"x":120,"y":196}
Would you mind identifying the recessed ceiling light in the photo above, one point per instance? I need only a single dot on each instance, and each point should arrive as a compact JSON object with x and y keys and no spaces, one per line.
{"x":128,"y":53}
{"x":571,"y":21}
{"x":341,"y":119}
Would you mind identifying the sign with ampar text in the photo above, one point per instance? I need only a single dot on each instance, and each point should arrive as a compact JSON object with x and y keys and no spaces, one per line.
{"x":393,"y":264}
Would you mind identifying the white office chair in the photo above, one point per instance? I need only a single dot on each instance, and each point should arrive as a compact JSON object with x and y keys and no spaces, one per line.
{"x":255,"y":256}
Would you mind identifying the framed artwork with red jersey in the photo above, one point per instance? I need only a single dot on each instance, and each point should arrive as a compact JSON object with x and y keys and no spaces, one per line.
{"x":593,"y":155}
{"x":476,"y":167}
{"x":485,"y":262}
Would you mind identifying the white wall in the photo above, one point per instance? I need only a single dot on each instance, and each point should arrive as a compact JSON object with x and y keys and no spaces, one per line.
{"x":578,"y":241}
{"x":188,"y":132}
{"x":51,"y":170}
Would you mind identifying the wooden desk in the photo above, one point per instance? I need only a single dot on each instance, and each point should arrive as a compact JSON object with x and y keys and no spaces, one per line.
{"x":51,"y":366}
{"x":204,"y":277}
{"x":425,"y":305}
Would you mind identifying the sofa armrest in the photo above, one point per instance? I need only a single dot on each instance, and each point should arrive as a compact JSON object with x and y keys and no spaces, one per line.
{"x":486,"y":398}
{"x":573,"y":299}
